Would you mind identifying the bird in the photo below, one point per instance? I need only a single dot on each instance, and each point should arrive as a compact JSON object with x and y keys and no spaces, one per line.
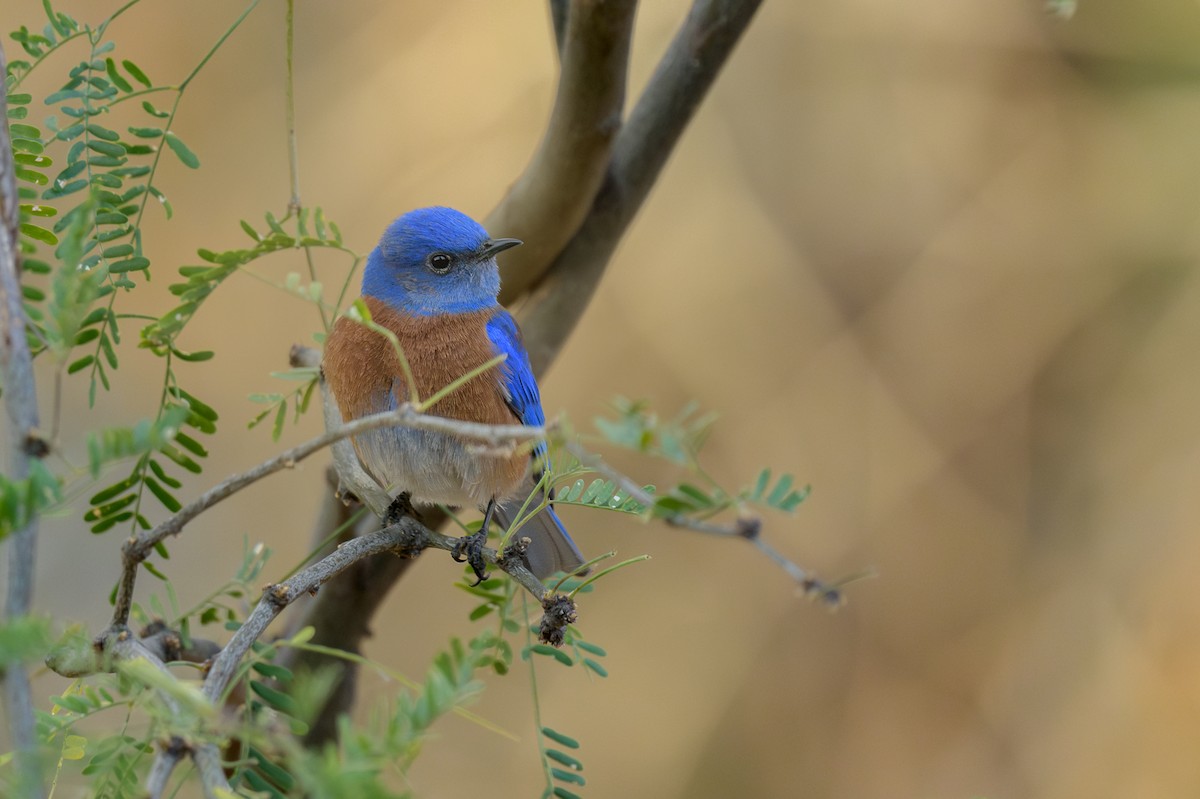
{"x":433,"y":281}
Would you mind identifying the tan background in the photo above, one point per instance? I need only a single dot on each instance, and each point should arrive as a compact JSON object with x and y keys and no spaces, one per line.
{"x":935,"y":258}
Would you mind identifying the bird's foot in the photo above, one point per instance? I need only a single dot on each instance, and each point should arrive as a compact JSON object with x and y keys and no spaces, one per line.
{"x":469,"y":548}
{"x":401,"y":506}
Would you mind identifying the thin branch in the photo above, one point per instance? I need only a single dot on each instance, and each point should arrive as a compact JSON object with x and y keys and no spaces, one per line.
{"x":747,"y":528}
{"x":138,"y":547}
{"x":212,"y":773}
{"x":20,"y":401}
{"x":681,"y":81}
{"x":550,"y":199}
{"x":406,"y":538}
{"x":293,"y":149}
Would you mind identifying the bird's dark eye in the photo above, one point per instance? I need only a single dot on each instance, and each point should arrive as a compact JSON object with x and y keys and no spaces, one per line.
{"x":440,"y":262}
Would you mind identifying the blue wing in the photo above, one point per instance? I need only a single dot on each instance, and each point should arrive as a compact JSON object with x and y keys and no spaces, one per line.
{"x":520,"y":387}
{"x":551,"y":548}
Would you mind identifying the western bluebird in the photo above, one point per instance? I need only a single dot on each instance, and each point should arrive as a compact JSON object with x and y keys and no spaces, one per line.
{"x":433,"y":282}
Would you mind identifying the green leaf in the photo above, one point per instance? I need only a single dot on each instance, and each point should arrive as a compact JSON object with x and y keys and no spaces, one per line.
{"x":588,"y":646}
{"x":596,"y":667}
{"x":273,"y":671}
{"x":780,"y":491}
{"x":563,"y":793}
{"x":72,"y":703}
{"x":280,"y":418}
{"x":480,"y":611}
{"x":565,"y":759}
{"x":259,"y":784}
{"x":103,"y":496}
{"x":273,"y":772}
{"x":698,"y":498}
{"x":117,"y":251}
{"x":135,"y":264}
{"x":169,"y":502}
{"x":70,"y":132}
{"x":101,"y":132}
{"x":760,"y":485}
{"x":32,"y":176}
{"x":568,"y":776}
{"x":191,"y":445}
{"x":150,"y":567}
{"x":188,"y":158}
{"x":162,"y":199}
{"x":182,"y":460}
{"x":136,"y":71}
{"x":250,"y":231}
{"x":117,"y":79}
{"x":274,"y":698}
{"x":104,"y":511}
{"x":33,"y":159}
{"x":31,"y":146}
{"x":38,"y":233}
{"x":161,"y":473}
{"x":106,"y":148}
{"x":549,"y":651}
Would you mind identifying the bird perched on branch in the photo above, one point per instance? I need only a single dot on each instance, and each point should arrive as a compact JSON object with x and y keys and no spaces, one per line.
{"x":433,"y":282}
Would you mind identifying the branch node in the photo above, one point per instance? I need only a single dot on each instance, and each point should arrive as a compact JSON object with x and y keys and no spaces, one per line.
{"x":560,"y":612}
{"x":168,"y":642}
{"x":748,"y":527}
{"x":278,"y":594}
{"x":176,"y":747}
{"x":828,"y":595}
{"x":514,"y":553}
{"x":36,"y":445}
{"x":300,"y":355}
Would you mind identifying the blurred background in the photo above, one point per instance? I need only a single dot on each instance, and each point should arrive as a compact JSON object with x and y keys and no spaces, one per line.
{"x":937,"y":259}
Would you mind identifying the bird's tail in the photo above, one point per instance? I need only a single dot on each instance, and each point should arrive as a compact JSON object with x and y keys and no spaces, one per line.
{"x":551,"y":548}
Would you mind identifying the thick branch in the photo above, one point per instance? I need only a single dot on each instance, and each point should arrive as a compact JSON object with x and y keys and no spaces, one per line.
{"x":139,"y":546}
{"x":20,"y":401}
{"x":550,"y":199}
{"x":682,"y":79}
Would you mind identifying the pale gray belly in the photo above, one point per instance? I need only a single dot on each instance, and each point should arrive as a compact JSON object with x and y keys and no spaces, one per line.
{"x":434,"y":468}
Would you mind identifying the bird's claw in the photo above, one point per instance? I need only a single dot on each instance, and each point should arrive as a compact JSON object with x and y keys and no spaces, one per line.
{"x":469,"y":548}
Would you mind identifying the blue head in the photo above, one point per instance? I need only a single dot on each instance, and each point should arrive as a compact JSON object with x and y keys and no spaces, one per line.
{"x":434,"y":261}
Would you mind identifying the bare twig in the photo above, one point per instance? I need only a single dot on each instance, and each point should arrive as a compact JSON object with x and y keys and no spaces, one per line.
{"x":550,"y":199}
{"x":293,"y":149}
{"x":138,"y":547}
{"x":20,"y":400}
{"x":748,"y":528}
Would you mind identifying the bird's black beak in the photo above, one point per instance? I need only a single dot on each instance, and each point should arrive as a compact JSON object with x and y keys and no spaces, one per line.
{"x":494,"y":246}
